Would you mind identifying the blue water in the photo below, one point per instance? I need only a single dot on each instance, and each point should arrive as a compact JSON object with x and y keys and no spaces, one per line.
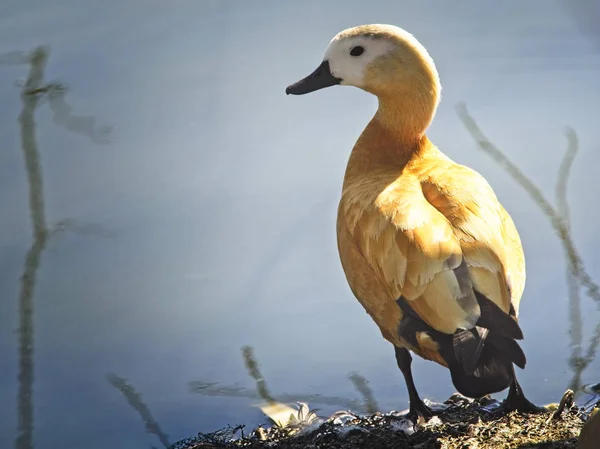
{"x":188,"y":206}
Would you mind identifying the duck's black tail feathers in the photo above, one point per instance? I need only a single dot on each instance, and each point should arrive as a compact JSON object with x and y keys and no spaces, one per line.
{"x":493,"y":370}
{"x":484,"y":355}
{"x":480,"y":359}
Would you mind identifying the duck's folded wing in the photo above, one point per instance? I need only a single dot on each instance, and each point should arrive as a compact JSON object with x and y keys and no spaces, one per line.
{"x":414,"y":251}
{"x":448,"y":251}
{"x":489,"y":241}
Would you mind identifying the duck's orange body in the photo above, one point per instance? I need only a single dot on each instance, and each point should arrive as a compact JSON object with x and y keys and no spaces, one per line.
{"x":405,"y":224}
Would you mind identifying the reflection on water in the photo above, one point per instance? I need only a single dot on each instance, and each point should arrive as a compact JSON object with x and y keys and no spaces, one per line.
{"x":135,"y":400}
{"x":362,"y":386}
{"x":208,"y":388}
{"x":33,"y":91}
{"x":254,"y":372}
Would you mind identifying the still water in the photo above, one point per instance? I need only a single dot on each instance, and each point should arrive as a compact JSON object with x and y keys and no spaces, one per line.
{"x":165,"y":206}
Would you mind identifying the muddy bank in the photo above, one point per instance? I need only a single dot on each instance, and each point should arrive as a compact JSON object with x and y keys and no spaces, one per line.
{"x":462,"y":424}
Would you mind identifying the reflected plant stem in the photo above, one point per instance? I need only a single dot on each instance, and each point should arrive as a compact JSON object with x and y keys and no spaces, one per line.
{"x":24,"y":438}
{"x":29,"y":143}
{"x":254,"y":372}
{"x":136,"y":402}
{"x":30,"y":97}
{"x":83,"y":124}
{"x":362,"y":386}
{"x":577,"y":277}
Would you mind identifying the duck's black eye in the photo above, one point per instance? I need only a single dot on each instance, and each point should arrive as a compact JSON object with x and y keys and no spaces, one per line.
{"x":357,"y":51}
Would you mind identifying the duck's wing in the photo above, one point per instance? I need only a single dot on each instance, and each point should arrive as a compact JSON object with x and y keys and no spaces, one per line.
{"x":488,"y":238}
{"x":413,"y":251}
{"x":439,"y":248}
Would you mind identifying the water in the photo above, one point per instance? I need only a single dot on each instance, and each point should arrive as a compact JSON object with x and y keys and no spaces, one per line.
{"x":183,"y":207}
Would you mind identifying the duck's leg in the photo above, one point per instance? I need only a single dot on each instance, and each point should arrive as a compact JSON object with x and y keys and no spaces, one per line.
{"x":516,"y":400}
{"x":417,"y":406}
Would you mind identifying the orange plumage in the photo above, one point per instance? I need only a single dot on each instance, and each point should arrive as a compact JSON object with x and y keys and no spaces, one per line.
{"x":403,"y":229}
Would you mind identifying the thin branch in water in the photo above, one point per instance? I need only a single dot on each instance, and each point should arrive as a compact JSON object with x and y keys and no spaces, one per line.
{"x":254,"y":372}
{"x":83,"y":124}
{"x":62,"y":115}
{"x":573,"y":285}
{"x":564,"y":171}
{"x":134,"y":399}
{"x":24,"y":439}
{"x":575,"y":318}
{"x":29,"y":147}
{"x":32,"y":90}
{"x":31,"y":154}
{"x":362,"y":386}
{"x":55,"y":93}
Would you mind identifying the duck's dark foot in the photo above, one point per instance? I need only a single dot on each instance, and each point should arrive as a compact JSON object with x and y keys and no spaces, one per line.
{"x":419,"y":409}
{"x":516,"y":401}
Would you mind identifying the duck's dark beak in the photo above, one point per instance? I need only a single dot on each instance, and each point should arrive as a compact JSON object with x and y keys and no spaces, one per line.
{"x":318,"y":79}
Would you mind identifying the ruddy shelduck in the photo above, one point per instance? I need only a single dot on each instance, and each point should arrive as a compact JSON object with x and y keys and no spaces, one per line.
{"x":426,"y":246}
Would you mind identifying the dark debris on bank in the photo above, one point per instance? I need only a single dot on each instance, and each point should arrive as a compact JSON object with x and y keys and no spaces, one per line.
{"x":463,"y":424}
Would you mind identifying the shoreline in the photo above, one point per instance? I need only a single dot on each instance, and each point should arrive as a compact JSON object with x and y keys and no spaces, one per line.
{"x":461,"y":424}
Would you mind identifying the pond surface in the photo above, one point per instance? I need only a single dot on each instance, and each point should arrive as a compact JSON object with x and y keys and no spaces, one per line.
{"x":165,"y":205}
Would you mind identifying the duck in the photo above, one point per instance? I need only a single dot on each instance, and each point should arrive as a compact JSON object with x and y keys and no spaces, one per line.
{"x":426,"y":246}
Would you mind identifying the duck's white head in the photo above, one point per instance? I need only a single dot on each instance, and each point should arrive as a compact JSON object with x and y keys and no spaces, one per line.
{"x":384,"y":60}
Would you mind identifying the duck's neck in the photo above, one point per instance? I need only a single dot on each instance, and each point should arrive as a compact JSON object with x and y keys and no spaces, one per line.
{"x":405,"y":116}
{"x":394,"y":136}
